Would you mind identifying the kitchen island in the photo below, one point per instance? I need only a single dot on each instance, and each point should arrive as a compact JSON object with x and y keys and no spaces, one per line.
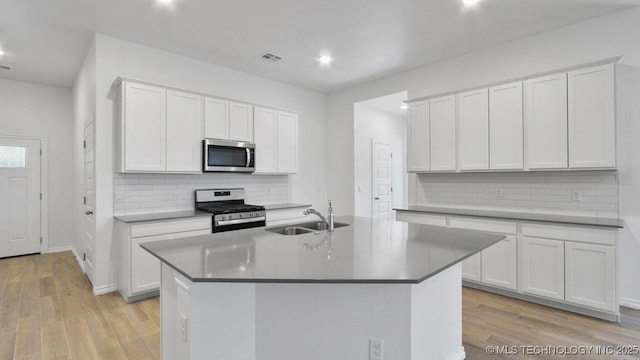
{"x":258,"y":295}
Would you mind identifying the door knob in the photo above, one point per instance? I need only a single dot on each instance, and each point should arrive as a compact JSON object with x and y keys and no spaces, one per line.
{"x":88,"y":212}
{"x":376,"y":198}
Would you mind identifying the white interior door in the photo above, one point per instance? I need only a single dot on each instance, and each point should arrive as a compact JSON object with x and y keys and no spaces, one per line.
{"x":89,"y":200}
{"x":19,"y":196}
{"x":381,"y":175}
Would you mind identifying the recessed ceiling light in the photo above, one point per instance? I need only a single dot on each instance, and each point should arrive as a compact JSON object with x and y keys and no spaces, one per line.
{"x":325,"y":60}
{"x":1,"y":52}
{"x":470,"y":3}
{"x":164,"y":2}
{"x":404,"y":106}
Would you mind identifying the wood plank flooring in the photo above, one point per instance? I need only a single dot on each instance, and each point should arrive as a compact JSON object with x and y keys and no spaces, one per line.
{"x":48,"y":311}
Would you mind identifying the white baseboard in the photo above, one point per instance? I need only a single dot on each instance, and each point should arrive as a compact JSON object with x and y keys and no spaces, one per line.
{"x":458,"y":355}
{"x":59,"y":249}
{"x":630,"y":303}
{"x":105,"y":289}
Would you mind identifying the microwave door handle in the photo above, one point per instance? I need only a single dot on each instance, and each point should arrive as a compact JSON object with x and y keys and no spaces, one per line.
{"x":248,"y":157}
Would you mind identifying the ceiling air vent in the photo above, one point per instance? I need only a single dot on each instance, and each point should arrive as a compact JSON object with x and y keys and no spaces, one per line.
{"x":269,"y":57}
{"x":5,"y":67}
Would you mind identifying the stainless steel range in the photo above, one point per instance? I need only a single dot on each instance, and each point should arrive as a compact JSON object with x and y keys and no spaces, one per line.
{"x":229,"y":210}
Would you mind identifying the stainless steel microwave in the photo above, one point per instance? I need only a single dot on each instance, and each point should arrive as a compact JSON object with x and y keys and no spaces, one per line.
{"x":228,"y":156}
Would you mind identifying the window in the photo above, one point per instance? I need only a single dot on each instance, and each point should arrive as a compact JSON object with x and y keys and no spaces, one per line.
{"x":13,"y":156}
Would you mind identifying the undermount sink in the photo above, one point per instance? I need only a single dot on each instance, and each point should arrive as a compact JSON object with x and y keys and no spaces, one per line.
{"x":289,"y":230}
{"x":319,"y":225}
{"x":303,"y":228}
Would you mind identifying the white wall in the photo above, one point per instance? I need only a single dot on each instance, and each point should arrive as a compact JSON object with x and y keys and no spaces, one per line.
{"x":602,"y":38}
{"x":121,"y":58}
{"x":371,"y":123}
{"x":28,"y":109}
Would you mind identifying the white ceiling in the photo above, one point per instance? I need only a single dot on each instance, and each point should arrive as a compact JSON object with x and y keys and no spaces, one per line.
{"x":45,"y":41}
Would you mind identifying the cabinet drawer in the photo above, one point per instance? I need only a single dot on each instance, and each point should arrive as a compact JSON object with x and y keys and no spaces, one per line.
{"x":425,"y":219}
{"x":502,"y":227}
{"x":169,"y":227}
{"x":592,"y":235}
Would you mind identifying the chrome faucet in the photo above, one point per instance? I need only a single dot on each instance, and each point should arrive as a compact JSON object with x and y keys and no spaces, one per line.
{"x":330,"y":223}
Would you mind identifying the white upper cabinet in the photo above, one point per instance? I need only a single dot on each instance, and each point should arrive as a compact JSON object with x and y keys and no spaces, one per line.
{"x":216,"y":118}
{"x":240,"y":122}
{"x":592,"y":128}
{"x":546,"y":122}
{"x":442,"y":114}
{"x":143,"y":128}
{"x":276,"y":139}
{"x":160,"y":130}
{"x":265,"y":136}
{"x":473,"y":130}
{"x":418,"y":137}
{"x":228,"y":120}
{"x":184,"y":132}
{"x":287,"y":143}
{"x":505,"y":127}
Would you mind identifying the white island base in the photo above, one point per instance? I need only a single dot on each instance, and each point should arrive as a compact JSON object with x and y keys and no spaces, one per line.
{"x":311,"y":321}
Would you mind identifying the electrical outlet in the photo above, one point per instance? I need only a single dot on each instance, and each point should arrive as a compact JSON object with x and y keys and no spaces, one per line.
{"x":183,"y":327}
{"x":576,"y":195}
{"x":498,"y":193}
{"x":376,"y":349}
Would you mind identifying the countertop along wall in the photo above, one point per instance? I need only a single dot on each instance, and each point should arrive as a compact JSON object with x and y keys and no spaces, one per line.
{"x":597,"y":39}
{"x":116,"y":57}
{"x":35,"y":110}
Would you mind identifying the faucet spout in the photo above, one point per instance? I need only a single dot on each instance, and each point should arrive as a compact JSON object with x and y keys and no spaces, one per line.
{"x":330,"y":224}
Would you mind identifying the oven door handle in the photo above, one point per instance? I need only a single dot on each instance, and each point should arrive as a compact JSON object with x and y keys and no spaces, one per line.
{"x":240,"y":221}
{"x":248,"y":157}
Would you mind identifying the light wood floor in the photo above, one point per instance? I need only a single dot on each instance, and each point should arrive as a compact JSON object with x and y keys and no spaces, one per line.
{"x":47,"y":311}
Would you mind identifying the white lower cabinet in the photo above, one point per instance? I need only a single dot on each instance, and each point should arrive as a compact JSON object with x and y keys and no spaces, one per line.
{"x":139,"y":271}
{"x":571,"y":267}
{"x":496,"y":265}
{"x":590,"y":276}
{"x":472,"y":268}
{"x":500,"y":264}
{"x":543,"y":267}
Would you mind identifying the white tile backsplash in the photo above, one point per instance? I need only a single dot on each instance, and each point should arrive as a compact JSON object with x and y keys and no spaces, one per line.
{"x":531,"y":192}
{"x":149,"y":193}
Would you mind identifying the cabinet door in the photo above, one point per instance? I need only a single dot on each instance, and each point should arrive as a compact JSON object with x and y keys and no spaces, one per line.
{"x":592,"y":128}
{"x":442,"y":113}
{"x":505,"y":127}
{"x":473,"y":130}
{"x":418,"y":137}
{"x":287,"y":143}
{"x":240,"y":122}
{"x":590,"y":275}
{"x":145,"y":268}
{"x":266,"y":122}
{"x":472,"y":269}
{"x":216,"y":118}
{"x":543,"y":267}
{"x":546,"y":122}
{"x":144,"y":128}
{"x":184,"y":132}
{"x":499,"y":264}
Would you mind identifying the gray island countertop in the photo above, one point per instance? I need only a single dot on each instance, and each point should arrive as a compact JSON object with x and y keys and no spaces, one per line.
{"x":366,"y":251}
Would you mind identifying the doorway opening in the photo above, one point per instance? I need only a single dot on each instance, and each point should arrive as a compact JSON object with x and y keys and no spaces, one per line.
{"x":380,"y":173}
